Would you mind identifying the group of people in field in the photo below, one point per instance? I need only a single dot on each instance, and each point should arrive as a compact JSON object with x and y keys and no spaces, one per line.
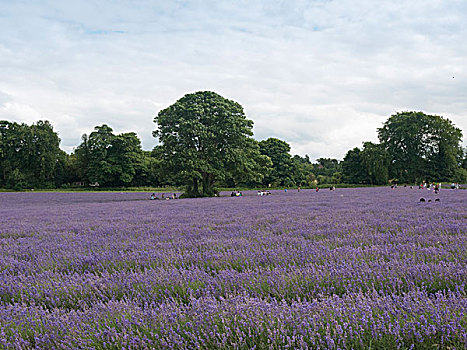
{"x":435,"y":187}
{"x":164,"y":196}
{"x":430,"y":186}
{"x":264,"y":193}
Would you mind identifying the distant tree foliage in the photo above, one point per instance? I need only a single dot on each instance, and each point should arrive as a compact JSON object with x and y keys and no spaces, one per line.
{"x":205,"y":141}
{"x":328,"y":171}
{"x":375,"y":161}
{"x":414,"y":147}
{"x":206,"y":138}
{"x":353,"y":171}
{"x":303,"y":171}
{"x":421,"y":147}
{"x":109,"y":160}
{"x":30,"y":156}
{"x":460,"y":174}
{"x":283,"y":167}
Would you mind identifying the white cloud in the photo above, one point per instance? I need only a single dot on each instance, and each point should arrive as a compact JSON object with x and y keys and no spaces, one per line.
{"x":322,"y":75}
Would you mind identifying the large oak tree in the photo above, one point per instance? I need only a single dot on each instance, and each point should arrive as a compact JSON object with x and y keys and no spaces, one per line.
{"x":205,"y":138}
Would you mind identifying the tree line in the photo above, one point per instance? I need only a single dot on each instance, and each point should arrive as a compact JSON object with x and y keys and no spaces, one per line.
{"x":205,"y":142}
{"x":414,"y":147}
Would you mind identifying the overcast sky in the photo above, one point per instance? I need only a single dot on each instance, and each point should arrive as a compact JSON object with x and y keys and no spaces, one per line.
{"x":322,"y":75}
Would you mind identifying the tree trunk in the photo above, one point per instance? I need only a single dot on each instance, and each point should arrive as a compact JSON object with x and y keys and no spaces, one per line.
{"x":208,"y":185}
{"x":192,"y":190}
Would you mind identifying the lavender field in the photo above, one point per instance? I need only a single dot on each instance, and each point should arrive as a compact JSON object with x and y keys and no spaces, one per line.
{"x":351,"y":269}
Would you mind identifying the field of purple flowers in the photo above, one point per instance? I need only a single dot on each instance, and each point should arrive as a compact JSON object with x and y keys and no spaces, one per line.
{"x":347,"y":269}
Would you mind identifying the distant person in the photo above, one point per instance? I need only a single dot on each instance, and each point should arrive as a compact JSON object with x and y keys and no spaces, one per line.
{"x":317,"y":189}
{"x":298,"y":189}
{"x":153,"y":196}
{"x":174,"y":196}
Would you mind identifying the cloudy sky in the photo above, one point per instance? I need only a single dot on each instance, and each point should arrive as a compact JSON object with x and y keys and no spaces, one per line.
{"x":319,"y":74}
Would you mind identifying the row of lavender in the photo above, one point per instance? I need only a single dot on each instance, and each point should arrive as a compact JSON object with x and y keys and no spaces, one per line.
{"x":352,"y":268}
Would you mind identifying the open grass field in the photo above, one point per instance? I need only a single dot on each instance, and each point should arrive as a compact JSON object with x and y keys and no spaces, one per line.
{"x":346,"y":269}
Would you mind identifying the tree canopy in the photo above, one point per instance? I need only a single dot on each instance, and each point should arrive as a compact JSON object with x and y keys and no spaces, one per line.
{"x":282,"y":173}
{"x":205,"y":138}
{"x":108,"y":159}
{"x":375,"y":162}
{"x":421,"y":146}
{"x":352,"y":168}
{"x":206,"y":141}
{"x":30,"y":156}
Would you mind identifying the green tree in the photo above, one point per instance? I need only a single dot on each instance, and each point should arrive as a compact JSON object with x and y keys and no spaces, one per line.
{"x":353,"y":171}
{"x":375,"y":161}
{"x":61,"y":163}
{"x":254,"y":167}
{"x":10,"y":146}
{"x":149,"y":171}
{"x":126,"y":157}
{"x":30,"y":156}
{"x":304,"y":175}
{"x":107,"y":159}
{"x":463,"y":163}
{"x":73,"y":172}
{"x":421,"y":146}
{"x":93,"y":155}
{"x":325,"y":170}
{"x":205,"y":138}
{"x":460,"y":174}
{"x":282,"y":173}
{"x":44,"y":155}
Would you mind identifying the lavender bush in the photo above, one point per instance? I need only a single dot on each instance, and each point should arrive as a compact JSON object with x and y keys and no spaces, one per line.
{"x":347,"y":269}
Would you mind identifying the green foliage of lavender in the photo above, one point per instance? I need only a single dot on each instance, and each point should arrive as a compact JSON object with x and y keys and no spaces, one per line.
{"x":347,"y":269}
